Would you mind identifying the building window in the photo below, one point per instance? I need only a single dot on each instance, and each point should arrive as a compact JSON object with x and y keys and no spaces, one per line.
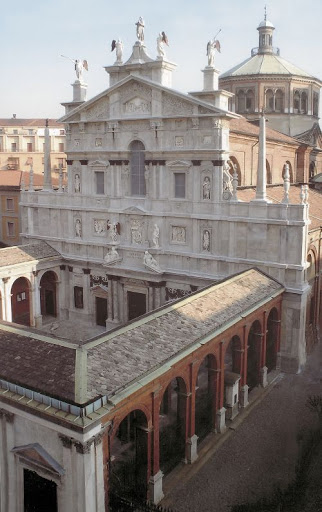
{"x":304,"y":102}
{"x":250,"y":101}
{"x":279,"y":101}
{"x":29,"y":147}
{"x":137,"y":162}
{"x":31,"y":132}
{"x":179,"y":185}
{"x":78,"y":297}
{"x":10,"y":229}
{"x":296,"y":102}
{"x":9,"y":204}
{"x":315,"y":104}
{"x":13,"y":164}
{"x":13,"y":147}
{"x":241,"y":101}
{"x":99,"y":181}
{"x":15,"y":132}
{"x":61,"y":147}
{"x":269,"y":100}
{"x":61,"y":162}
{"x":61,"y":132}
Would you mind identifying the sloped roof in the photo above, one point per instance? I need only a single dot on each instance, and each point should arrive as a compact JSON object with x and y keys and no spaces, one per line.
{"x":313,"y":136}
{"x":265,"y":64}
{"x":276,"y":194}
{"x":13,"y":179}
{"x":30,"y":123}
{"x":129,"y":354}
{"x":26,"y":253}
{"x":241,"y":125}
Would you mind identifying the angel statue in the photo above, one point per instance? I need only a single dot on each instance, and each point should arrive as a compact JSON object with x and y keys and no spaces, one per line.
{"x":212,"y":46}
{"x":161,"y":41}
{"x":80,"y":65}
{"x":140,"y":29}
{"x":118,"y":47}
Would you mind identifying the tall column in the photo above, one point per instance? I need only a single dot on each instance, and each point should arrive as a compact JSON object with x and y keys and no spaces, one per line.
{"x":110,"y":300}
{"x":7,"y":309}
{"x":8,"y":480}
{"x":36,"y":319}
{"x":221,"y":412}
{"x":263,"y":371}
{"x":192,"y":438}
{"x":47,"y":166}
{"x":116,"y":315}
{"x":261,"y":171}
{"x":155,"y":481}
{"x":244,"y":386}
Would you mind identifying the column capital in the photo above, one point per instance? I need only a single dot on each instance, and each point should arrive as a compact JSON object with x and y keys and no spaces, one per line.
{"x":9,"y":416}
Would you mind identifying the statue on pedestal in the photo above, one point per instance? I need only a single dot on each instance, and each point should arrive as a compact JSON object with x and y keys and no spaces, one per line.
{"x":156,"y":236}
{"x":161,"y":41}
{"x":140,"y":29}
{"x":78,"y":228}
{"x":118,"y":47}
{"x":112,"y":256}
{"x":212,"y":46}
{"x":80,"y":65}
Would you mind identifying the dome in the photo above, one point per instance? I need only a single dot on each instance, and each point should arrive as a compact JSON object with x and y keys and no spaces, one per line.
{"x":265,"y":64}
{"x":265,"y":23}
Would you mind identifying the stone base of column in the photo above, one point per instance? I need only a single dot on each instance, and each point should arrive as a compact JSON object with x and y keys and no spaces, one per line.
{"x":192,"y":452}
{"x":221,"y":420}
{"x":155,"y":488}
{"x":264,"y":377}
{"x":38,"y":321}
{"x":278,"y":361}
{"x":231,"y":411}
{"x":244,"y":396}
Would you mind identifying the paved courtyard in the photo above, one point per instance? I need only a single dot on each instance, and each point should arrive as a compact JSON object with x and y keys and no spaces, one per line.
{"x":256,"y":454}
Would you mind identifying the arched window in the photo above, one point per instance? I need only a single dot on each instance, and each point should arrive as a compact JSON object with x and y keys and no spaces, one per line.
{"x":304,"y":102}
{"x":241,"y":98}
{"x":279,"y":101}
{"x":296,"y":102}
{"x":250,"y":101}
{"x":269,"y":100}
{"x":137,"y":159}
{"x":268,"y":173}
{"x":315,"y":103}
{"x":311,"y":170}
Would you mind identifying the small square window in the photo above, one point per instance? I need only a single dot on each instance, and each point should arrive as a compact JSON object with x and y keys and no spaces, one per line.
{"x":61,"y":132}
{"x":9,"y":204}
{"x":180,"y":185}
{"x":29,"y":147}
{"x":13,"y":147}
{"x":61,"y":147}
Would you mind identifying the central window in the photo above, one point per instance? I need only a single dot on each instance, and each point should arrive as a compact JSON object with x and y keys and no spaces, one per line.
{"x":137,"y":160}
{"x":179,"y":185}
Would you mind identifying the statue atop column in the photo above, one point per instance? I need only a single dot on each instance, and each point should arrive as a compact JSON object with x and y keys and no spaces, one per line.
{"x":140,"y":29}
{"x":80,"y":65}
{"x":212,"y":46}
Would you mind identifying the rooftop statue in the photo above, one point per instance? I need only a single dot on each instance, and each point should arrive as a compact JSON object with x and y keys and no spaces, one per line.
{"x":118,"y":47}
{"x":140,"y":29}
{"x":161,"y":41}
{"x":80,"y":65}
{"x":212,"y":46}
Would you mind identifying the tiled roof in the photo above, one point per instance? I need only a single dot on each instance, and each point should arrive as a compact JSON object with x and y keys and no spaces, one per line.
{"x":13,"y":179}
{"x":24,"y":253}
{"x":241,"y":125}
{"x":127,"y":355}
{"x":38,"y":123}
{"x":37,"y":365}
{"x":267,"y":64}
{"x":276,"y":194}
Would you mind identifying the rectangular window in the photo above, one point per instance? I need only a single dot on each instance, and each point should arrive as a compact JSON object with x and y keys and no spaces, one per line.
{"x":78,"y":297}
{"x":15,"y":132}
{"x":31,"y":132}
{"x":61,"y":147}
{"x":13,"y":163}
{"x":9,"y":204}
{"x":61,"y":162}
{"x":99,"y":179}
{"x":10,"y":229}
{"x":13,"y":147}
{"x":62,"y":132}
{"x":29,"y":147}
{"x":180,"y":185}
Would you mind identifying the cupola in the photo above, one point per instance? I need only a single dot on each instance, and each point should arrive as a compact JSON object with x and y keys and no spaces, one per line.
{"x":265,"y":29}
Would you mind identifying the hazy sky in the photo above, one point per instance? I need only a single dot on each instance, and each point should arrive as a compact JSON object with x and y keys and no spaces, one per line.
{"x":33,"y":35}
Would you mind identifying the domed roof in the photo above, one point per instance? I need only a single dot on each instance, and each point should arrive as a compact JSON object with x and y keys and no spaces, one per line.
{"x":265,"y":23}
{"x":265,"y":64}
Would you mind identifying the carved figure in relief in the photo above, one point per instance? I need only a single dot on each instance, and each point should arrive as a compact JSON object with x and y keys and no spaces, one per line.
{"x":78,"y":228}
{"x":118,"y":47}
{"x":156,"y":236}
{"x":227,"y":181}
{"x":161,"y":41}
{"x":151,"y":263}
{"x":178,"y":234}
{"x":77,"y":183}
{"x":115,"y":230}
{"x":136,"y":232}
{"x":140,"y":29}
{"x":111,"y":256}
{"x":206,"y":188}
{"x":206,"y":240}
{"x":99,"y":226}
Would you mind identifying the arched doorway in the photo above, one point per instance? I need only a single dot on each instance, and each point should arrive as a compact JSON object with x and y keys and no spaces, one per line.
{"x":129,"y":457}
{"x":48,"y":301}
{"x":172,"y":425}
{"x":272,"y":340}
{"x":20,"y":301}
{"x":206,"y":394}
{"x":253,"y":355}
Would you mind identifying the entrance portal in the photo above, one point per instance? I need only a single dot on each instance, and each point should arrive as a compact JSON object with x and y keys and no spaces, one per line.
{"x":101,"y":311}
{"x":40,"y":494}
{"x":136,"y":304}
{"x":48,"y":294}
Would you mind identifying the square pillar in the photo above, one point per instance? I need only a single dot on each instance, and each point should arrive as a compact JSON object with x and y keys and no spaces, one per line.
{"x":263,"y":377}
{"x":155,"y":487}
{"x":244,"y":396}
{"x":192,"y":452}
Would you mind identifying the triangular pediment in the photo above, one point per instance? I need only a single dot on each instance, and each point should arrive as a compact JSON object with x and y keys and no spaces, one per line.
{"x":179,"y":163}
{"x":99,"y":163}
{"x":35,"y":455}
{"x":134,"y":96}
{"x":134,"y":209}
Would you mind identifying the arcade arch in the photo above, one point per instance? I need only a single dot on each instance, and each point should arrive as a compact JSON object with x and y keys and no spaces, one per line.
{"x":272,"y":340}
{"x":206,"y":397}
{"x":48,"y":294}
{"x":254,"y":343}
{"x":20,"y":301}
